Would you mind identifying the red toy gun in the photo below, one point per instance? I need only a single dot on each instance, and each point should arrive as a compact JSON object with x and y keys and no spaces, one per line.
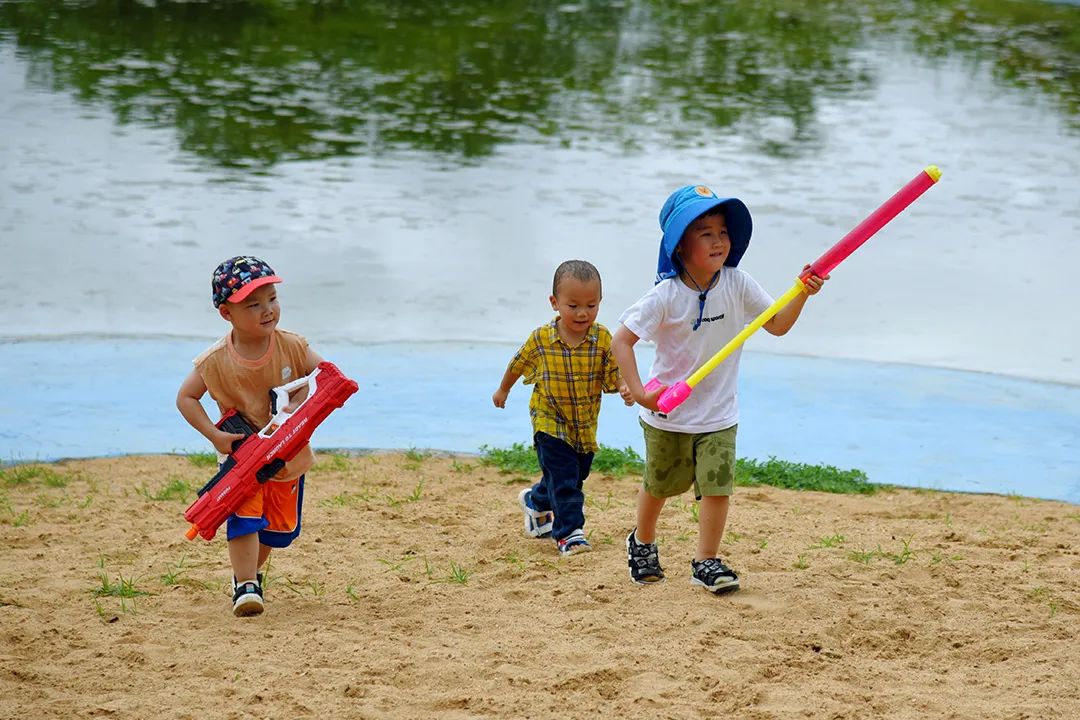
{"x":261,"y":455}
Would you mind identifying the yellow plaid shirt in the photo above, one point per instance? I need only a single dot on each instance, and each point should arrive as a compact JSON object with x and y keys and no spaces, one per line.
{"x":568,"y":382}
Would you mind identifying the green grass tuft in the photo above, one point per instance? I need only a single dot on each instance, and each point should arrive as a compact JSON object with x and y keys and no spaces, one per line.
{"x":25,"y":474}
{"x":458,"y":574}
{"x":175,"y":489}
{"x":332,"y":462}
{"x":203,"y":459}
{"x":521,"y":459}
{"x":515,"y":459}
{"x":800,"y":476}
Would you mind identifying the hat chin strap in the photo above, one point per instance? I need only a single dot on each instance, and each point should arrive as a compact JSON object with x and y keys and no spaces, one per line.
{"x":702,"y":294}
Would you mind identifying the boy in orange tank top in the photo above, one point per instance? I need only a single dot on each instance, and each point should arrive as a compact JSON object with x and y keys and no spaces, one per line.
{"x":239,"y":371}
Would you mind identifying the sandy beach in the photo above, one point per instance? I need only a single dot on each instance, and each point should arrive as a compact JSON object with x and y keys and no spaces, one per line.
{"x":413,"y":593}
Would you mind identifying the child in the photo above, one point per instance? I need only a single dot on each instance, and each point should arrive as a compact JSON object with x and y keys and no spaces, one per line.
{"x":569,"y":363}
{"x":700,"y":301}
{"x":240,"y":370}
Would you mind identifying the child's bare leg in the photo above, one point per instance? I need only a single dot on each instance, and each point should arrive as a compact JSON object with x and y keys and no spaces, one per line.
{"x":648,"y":511}
{"x":264,"y":554}
{"x":244,"y":554}
{"x":711,"y":522}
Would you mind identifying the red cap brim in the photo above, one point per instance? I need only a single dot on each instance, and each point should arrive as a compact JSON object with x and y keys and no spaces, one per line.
{"x":252,"y":286}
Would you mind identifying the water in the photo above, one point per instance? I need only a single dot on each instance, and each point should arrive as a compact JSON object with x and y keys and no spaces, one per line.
{"x":417,"y":173}
{"x":943,"y":429}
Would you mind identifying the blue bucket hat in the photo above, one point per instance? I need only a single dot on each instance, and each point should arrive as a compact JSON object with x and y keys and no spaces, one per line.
{"x":686,"y":205}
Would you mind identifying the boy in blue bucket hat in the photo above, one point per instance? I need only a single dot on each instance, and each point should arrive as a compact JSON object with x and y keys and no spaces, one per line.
{"x":699,"y":302}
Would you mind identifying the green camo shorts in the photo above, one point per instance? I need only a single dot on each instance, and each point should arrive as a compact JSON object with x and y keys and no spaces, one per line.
{"x":674,"y":461}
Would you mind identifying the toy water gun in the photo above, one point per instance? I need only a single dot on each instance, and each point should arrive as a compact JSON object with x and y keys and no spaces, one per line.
{"x":674,"y":395}
{"x":261,"y":455}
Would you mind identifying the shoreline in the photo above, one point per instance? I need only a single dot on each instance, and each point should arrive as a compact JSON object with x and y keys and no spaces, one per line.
{"x":902,"y":425}
{"x":440,"y":454}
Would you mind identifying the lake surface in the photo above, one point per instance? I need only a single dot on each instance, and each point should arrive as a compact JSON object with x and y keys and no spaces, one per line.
{"x":416,"y":173}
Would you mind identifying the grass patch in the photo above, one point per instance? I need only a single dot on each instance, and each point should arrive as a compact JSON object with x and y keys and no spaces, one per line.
{"x":829,"y":541}
{"x":800,"y":476}
{"x":45,"y":501}
{"x":905,"y":554}
{"x":521,"y":459}
{"x":414,"y":496}
{"x":515,"y":561}
{"x":203,"y":459}
{"x":123,"y":588}
{"x":26,"y":474}
{"x":414,"y":455}
{"x":346,"y":498}
{"x":317,"y":588}
{"x":415,"y":458}
{"x":332,"y":462}
{"x":460,"y":467}
{"x":19,"y":520}
{"x":458,"y":574}
{"x":605,"y":504}
{"x":515,"y":459}
{"x":866,"y":557}
{"x":862,"y":556}
{"x":399,"y":564}
{"x":172,"y":574}
{"x":175,"y":489}
{"x":618,"y":463}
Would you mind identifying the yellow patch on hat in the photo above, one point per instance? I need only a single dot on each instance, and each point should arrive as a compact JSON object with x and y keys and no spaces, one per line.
{"x":704,"y":191}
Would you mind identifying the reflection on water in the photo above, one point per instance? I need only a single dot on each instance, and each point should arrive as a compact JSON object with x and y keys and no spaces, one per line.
{"x":250,"y":84}
{"x":417,"y":170}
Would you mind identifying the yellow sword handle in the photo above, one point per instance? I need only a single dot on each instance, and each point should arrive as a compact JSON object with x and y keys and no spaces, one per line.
{"x":747,"y":331}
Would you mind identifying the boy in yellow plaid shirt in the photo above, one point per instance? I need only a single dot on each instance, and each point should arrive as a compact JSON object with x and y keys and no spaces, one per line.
{"x":568,"y":361}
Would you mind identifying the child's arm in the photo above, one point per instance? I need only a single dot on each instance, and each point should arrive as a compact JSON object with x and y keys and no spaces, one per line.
{"x":613,"y":381}
{"x":187,"y":402}
{"x":508,"y":379}
{"x":522,"y":364}
{"x":622,"y":347}
{"x":783,"y":321}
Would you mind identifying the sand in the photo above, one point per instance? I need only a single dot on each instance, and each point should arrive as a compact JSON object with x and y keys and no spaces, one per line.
{"x":413,"y":593}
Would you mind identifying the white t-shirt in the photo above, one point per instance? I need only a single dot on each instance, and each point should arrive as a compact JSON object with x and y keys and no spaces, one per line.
{"x":666,"y":314}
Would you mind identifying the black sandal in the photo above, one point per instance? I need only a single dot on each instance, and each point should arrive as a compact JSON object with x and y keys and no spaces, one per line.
{"x":644,"y":561}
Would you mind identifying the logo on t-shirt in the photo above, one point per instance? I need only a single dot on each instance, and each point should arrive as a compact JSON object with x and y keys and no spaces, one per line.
{"x":714,"y":318}
{"x":286,"y":372}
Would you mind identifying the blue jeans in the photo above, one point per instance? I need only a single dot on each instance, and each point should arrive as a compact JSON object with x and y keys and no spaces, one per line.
{"x":559,"y":490}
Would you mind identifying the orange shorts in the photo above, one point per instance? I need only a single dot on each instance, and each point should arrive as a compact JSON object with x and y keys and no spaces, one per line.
{"x":273,"y":512}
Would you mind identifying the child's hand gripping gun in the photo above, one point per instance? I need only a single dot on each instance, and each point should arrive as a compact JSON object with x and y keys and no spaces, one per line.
{"x":260,"y":456}
{"x":674,"y":395}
